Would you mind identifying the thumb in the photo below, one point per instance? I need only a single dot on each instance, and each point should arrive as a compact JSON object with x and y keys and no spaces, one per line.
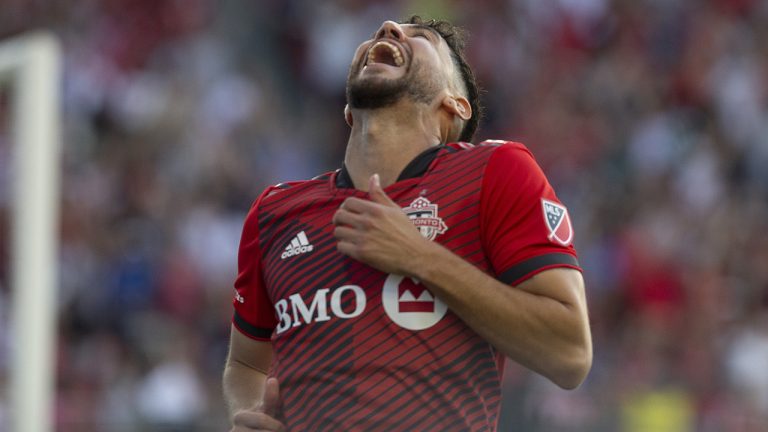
{"x":377,"y":194}
{"x":271,"y":405}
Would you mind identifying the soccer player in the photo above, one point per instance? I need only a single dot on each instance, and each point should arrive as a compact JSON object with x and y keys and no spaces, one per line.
{"x":385,"y":296}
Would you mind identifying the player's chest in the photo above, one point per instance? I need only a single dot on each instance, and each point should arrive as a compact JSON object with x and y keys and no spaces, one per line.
{"x":309,"y":281}
{"x":298,"y":244}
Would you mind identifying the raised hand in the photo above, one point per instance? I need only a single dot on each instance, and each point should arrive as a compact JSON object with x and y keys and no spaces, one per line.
{"x":377,"y":232}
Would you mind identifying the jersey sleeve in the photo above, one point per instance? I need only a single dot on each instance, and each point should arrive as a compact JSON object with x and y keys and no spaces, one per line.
{"x":524,"y":227}
{"x":254,"y":315}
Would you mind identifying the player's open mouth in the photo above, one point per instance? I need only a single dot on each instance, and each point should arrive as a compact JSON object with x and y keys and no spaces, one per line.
{"x":386,"y":53}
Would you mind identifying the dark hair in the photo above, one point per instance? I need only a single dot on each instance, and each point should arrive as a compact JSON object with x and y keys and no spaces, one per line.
{"x":455,"y":37}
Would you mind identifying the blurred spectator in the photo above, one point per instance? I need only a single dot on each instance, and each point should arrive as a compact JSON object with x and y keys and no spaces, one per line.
{"x":745,"y":364}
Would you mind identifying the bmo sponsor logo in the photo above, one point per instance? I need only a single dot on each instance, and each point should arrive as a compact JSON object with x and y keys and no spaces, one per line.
{"x":408,"y":303}
{"x":294,"y":312}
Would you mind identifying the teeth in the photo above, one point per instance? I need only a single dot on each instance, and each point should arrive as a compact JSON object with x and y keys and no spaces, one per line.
{"x":396,"y":54}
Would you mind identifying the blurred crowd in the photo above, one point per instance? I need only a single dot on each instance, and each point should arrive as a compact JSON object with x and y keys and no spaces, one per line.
{"x":650,"y":118}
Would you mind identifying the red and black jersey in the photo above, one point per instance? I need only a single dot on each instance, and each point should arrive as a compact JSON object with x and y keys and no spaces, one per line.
{"x":357,"y":349}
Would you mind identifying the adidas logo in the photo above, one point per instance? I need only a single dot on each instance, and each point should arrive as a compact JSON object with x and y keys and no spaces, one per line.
{"x":299,"y":245}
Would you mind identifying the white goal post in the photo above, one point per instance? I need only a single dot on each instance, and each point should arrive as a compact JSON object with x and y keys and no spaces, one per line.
{"x":30,"y":65}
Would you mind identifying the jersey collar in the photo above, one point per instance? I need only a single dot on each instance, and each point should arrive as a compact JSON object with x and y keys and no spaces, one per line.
{"x":415,"y":168}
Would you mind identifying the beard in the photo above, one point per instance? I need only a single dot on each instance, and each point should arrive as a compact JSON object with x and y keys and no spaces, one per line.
{"x":376,"y":92}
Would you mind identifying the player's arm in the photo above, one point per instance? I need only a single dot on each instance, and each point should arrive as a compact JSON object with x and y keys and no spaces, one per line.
{"x":543,"y":324}
{"x":252,"y":400}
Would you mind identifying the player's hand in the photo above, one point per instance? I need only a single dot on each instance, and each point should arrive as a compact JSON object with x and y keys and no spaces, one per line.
{"x":378,"y":232}
{"x":263,"y":417}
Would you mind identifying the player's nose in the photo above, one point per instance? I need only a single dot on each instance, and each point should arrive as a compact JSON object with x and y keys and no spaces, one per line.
{"x":390,"y":29}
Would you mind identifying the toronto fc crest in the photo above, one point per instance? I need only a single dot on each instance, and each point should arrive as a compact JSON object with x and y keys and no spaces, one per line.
{"x":423,"y":214}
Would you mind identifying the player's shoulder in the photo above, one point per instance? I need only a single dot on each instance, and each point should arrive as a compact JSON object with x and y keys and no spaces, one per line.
{"x":499,"y":148}
{"x":489,"y":144}
{"x":289,"y":189}
{"x":502,"y":159}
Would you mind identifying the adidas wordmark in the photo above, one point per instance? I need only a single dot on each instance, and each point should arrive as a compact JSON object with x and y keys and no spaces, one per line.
{"x":299,"y":245}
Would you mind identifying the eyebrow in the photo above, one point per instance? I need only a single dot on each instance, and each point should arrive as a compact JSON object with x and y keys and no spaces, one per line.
{"x":426,"y":27}
{"x":415,"y":26}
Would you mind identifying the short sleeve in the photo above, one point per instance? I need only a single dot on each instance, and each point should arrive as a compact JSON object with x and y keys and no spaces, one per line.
{"x":525,"y":228}
{"x":254,"y":314}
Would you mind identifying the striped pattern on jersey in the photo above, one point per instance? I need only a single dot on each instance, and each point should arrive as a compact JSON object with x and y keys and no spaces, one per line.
{"x":343,"y":363}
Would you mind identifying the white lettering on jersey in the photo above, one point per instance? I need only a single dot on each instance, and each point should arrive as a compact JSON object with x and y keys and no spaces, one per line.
{"x":360,"y":301}
{"x":318,"y":303}
{"x":317,"y":311}
{"x":407,"y":302}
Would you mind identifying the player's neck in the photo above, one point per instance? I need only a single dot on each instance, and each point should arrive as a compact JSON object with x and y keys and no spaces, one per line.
{"x":384,"y":141}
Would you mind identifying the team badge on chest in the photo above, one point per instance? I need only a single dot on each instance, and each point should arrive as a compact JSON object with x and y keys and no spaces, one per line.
{"x":423,"y":214}
{"x":558,"y":222}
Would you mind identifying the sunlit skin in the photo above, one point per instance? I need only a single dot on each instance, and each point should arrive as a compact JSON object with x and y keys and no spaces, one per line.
{"x":415,"y":43}
{"x":541,"y":323}
{"x":376,"y":143}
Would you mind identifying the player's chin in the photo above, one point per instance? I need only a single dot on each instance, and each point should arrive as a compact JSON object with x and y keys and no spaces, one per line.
{"x":375,"y":92}
{"x":371,"y":81}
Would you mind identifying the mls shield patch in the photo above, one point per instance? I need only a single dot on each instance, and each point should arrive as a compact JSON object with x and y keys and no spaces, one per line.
{"x":558,"y":222}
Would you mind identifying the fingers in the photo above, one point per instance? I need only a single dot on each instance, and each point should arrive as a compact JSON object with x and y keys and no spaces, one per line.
{"x":377,"y":194}
{"x":371,"y":206}
{"x":347,"y":240}
{"x":344,"y":233}
{"x":348,"y":248}
{"x":264,"y":419}
{"x":272,"y":397}
{"x":250,"y":421}
{"x":344,"y":217}
{"x":362,"y":206}
{"x":374,"y":184}
{"x":357,"y":205}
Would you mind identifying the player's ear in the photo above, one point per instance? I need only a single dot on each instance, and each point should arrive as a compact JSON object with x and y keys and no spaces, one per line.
{"x":457,"y":111}
{"x":458,"y":105}
{"x":348,"y":115}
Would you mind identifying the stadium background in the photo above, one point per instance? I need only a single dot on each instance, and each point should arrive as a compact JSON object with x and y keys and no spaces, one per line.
{"x":650,"y":118}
